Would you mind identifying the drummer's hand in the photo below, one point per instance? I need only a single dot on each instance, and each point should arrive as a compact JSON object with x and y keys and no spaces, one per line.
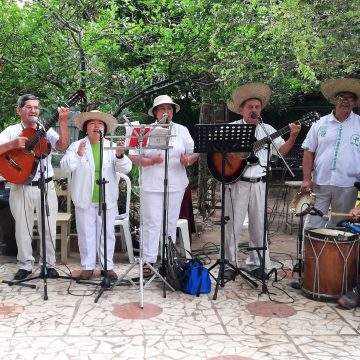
{"x":355,"y":212}
{"x":156,"y":159}
{"x":118,"y":151}
{"x":306,"y":186}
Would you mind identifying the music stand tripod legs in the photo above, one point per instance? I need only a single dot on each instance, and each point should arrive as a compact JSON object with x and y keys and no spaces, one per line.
{"x":140,"y":134}
{"x":223,"y":138}
{"x":222,"y":262}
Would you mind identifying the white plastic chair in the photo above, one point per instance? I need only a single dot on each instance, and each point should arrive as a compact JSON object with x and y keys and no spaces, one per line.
{"x":182,"y":225}
{"x":123,"y":221}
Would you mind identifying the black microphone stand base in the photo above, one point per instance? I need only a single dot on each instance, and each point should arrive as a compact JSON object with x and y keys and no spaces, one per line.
{"x":220,"y":281}
{"x":17,"y":282}
{"x":105,"y":284}
{"x":41,"y":277}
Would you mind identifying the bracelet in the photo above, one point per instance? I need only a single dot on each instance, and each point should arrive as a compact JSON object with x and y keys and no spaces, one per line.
{"x":119,"y":156}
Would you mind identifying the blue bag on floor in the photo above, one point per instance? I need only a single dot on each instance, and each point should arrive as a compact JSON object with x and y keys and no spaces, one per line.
{"x":196,"y":278}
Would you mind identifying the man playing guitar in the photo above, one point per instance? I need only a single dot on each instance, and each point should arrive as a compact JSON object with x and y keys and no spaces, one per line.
{"x":247,"y":194}
{"x":25,"y":196}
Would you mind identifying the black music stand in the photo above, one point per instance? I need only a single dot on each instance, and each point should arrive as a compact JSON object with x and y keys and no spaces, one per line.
{"x":224,"y":138}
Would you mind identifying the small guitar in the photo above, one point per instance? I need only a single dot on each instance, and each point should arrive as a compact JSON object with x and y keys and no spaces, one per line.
{"x":19,"y":165}
{"x":236,"y":162}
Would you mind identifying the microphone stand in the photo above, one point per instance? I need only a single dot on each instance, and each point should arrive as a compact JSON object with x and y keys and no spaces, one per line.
{"x":269,"y":142}
{"x":41,"y":186}
{"x":102,"y":209}
{"x":164,"y":249}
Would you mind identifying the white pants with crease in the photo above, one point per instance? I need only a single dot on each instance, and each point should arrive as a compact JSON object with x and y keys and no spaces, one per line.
{"x":24,"y":200}
{"x":240,"y":198}
{"x":152,"y":220}
{"x":90,"y":231}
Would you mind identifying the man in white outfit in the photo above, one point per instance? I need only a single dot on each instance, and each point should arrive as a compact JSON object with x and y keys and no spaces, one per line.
{"x":247,"y":194}
{"x":331,"y":163}
{"x":25,"y":198}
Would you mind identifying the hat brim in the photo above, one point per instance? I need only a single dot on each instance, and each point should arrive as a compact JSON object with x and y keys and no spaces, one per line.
{"x":249,"y":91}
{"x":177,"y":108}
{"x":332,"y":87}
{"x":81,"y":118}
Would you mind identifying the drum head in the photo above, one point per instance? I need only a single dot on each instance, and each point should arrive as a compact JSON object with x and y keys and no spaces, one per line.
{"x":302,"y":202}
{"x":338,"y":234}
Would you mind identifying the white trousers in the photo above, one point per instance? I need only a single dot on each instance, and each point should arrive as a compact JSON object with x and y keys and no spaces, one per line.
{"x":90,"y":232}
{"x":340,"y":199}
{"x":152,"y":220}
{"x":240,"y":198}
{"x":24,"y":200}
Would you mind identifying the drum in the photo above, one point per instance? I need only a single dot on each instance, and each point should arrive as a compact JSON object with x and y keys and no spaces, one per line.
{"x":301,"y":203}
{"x":330,"y":263}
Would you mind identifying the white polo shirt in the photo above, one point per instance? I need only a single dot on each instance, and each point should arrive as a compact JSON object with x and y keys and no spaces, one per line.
{"x":257,"y":170}
{"x":153,"y":176}
{"x":337,"y":150}
{"x":52,"y":137}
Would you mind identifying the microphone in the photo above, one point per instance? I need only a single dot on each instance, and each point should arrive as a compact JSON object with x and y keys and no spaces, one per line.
{"x":101,"y":131}
{"x":36,"y":121}
{"x":254,"y":115}
{"x":319,"y":213}
{"x":164,"y":118}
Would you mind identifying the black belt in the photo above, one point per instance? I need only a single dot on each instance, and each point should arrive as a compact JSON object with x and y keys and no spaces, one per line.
{"x":36,"y":183}
{"x":253,"y":179}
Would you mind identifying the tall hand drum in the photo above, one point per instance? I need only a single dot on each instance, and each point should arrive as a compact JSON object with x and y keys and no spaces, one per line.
{"x":330,"y":264}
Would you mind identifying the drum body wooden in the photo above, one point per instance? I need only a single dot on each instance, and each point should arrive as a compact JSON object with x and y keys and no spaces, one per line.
{"x":330,"y":263}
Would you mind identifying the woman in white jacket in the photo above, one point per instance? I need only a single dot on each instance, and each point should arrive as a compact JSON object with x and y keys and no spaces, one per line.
{"x":83,"y":159}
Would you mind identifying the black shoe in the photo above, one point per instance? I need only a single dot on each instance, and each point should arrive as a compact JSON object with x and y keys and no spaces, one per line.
{"x":51,"y":273}
{"x":22,"y":274}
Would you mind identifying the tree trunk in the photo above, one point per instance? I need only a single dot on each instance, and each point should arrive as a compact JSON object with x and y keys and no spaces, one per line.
{"x":206,"y":117}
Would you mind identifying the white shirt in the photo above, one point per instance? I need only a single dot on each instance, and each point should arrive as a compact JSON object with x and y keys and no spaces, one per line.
{"x":152,"y":178}
{"x":83,"y":173}
{"x":337,"y":150}
{"x":257,"y":170}
{"x":52,"y":137}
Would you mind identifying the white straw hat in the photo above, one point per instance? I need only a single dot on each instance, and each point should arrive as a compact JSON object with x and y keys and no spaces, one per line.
{"x":162,"y":99}
{"x":331,"y":88}
{"x":108,"y":119}
{"x":249,"y":91}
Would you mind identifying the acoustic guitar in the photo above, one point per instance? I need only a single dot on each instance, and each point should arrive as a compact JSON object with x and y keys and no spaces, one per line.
{"x":18,"y":166}
{"x":237,"y":162}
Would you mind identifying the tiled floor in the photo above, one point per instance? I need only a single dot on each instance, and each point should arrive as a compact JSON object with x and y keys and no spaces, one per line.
{"x":239,"y":324}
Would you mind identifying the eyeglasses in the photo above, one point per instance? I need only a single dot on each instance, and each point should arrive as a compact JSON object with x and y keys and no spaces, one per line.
{"x":345,"y":97}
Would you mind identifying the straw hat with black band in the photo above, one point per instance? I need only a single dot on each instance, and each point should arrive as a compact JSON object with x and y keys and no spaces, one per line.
{"x":107,"y":119}
{"x":332,"y":87}
{"x":249,"y":91}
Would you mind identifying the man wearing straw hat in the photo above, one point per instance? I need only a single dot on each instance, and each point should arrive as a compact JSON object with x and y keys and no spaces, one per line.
{"x":248,"y":193}
{"x":331,"y":163}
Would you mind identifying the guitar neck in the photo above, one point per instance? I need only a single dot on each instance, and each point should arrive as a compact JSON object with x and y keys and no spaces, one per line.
{"x":259,"y":144}
{"x":42,"y":132}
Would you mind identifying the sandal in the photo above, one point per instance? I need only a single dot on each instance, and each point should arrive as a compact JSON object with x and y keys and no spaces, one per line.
{"x":147,"y":271}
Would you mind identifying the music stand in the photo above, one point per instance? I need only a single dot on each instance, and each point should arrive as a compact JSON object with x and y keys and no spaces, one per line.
{"x":143,"y":138}
{"x":224,"y":138}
